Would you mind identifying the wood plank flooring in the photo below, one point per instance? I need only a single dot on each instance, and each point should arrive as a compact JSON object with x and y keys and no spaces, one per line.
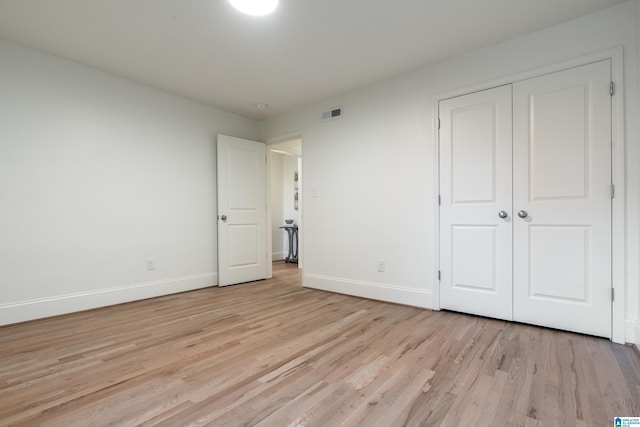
{"x":271,"y":353}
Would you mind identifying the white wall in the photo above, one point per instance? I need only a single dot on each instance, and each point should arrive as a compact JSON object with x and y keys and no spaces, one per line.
{"x":370,"y":184}
{"x":97,"y":174}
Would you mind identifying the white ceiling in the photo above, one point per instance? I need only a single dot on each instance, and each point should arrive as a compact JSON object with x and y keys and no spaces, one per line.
{"x":308,"y":50}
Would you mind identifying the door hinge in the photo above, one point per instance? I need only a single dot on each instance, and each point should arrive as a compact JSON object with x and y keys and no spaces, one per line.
{"x":612,"y":88}
{"x":612,"y":191}
{"x":439,"y":200}
{"x":439,"y":275}
{"x":613,"y":294}
{"x":438,"y":122}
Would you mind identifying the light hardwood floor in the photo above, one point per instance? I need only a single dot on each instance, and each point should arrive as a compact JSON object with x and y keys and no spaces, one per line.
{"x":271,"y":353}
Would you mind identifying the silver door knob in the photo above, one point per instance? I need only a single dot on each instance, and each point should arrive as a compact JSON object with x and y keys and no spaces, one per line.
{"x":523,"y":214}
{"x":503,"y":214}
{"x":224,"y":218}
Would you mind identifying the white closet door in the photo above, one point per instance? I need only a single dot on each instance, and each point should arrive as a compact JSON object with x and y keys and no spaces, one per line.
{"x":475,"y":186}
{"x":562,"y":181}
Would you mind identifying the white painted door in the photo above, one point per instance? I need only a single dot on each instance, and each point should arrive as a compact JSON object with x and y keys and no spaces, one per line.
{"x":475,"y":182}
{"x":242,"y":219}
{"x":562,"y":181}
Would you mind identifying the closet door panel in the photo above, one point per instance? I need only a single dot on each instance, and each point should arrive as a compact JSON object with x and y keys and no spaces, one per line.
{"x":475,"y":184}
{"x":562,"y":179}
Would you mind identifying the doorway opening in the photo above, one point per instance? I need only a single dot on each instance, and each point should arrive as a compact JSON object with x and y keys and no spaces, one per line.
{"x":286,"y":201}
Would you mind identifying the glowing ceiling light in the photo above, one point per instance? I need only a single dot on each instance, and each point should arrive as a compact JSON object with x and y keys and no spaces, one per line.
{"x":255,"y":7}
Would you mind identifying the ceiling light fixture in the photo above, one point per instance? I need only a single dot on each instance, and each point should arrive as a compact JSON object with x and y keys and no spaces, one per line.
{"x":261,"y":105}
{"x":255,"y":7}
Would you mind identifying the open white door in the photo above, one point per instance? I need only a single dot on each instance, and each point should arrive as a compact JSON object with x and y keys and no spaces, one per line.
{"x":242,"y":211}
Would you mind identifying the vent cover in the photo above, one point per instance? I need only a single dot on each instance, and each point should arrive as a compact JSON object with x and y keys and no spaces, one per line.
{"x":334,"y":113}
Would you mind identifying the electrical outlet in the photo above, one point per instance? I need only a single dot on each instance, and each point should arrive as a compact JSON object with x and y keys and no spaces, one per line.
{"x":151,"y":264}
{"x":381,"y":265}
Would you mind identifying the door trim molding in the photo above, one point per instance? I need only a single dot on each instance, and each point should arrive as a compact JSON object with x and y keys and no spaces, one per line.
{"x":618,"y":215}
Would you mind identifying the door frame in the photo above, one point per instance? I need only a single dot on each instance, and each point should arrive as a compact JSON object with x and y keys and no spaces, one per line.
{"x":618,"y":250}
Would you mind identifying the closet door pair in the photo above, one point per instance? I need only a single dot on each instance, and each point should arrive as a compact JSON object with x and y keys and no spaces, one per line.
{"x":525,"y":201}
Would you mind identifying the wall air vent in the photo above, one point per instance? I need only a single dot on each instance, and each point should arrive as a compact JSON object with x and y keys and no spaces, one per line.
{"x":334,"y":113}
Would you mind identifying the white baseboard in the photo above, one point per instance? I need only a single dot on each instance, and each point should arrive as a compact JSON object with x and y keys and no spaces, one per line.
{"x":23,"y":311}
{"x":376,"y":291}
{"x":277,"y":256}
